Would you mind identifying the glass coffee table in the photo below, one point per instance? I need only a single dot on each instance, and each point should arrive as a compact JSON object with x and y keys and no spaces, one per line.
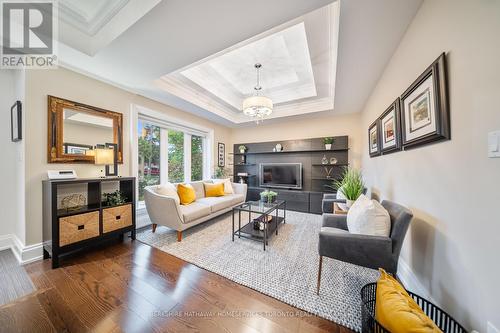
{"x":267,"y":215}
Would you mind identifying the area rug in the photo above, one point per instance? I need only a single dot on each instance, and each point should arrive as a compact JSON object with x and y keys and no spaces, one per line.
{"x":287,"y":270}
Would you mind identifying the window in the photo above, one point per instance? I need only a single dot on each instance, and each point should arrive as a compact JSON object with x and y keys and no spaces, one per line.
{"x":149,"y":156}
{"x":167,"y":152}
{"x":175,"y":156}
{"x":196,"y":157}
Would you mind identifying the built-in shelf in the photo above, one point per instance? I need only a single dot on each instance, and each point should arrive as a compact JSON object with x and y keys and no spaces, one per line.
{"x":245,"y":176}
{"x":292,"y":151}
{"x":243,"y":164}
{"x":80,"y":210}
{"x":331,"y":165}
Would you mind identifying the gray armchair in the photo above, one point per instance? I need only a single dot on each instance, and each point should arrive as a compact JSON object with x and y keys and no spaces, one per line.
{"x":375,"y":252}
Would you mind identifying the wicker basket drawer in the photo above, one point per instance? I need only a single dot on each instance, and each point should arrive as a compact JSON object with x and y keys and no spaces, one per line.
{"x":116,"y":218}
{"x":76,"y":228}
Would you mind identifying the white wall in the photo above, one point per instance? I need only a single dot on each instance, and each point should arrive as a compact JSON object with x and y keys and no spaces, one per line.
{"x":12,"y":168}
{"x":452,"y":187}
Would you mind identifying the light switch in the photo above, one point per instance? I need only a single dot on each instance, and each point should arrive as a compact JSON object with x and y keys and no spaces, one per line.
{"x":494,"y":144}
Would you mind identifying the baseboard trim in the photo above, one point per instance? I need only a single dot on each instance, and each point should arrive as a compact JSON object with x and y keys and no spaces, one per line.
{"x":411,"y":282}
{"x":24,"y":254}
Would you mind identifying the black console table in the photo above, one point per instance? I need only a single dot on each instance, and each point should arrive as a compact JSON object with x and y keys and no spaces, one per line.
{"x":67,"y":230}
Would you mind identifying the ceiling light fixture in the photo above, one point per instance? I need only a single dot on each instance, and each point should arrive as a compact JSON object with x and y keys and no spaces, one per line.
{"x":257,"y":106}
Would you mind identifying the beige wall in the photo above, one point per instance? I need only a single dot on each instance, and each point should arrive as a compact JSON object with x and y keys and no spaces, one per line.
{"x":452,"y":187}
{"x":304,"y":128}
{"x":70,"y":85}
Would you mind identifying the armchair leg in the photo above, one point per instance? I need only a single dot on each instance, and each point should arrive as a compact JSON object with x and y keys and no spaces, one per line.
{"x":179,"y":236}
{"x":154,"y":227}
{"x":319,"y":273}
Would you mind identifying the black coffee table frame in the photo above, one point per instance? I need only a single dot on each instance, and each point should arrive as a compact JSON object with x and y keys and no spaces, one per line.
{"x":265,"y":210}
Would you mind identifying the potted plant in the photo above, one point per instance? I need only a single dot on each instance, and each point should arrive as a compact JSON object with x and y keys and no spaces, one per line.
{"x":268,"y":196}
{"x":242,"y":149}
{"x":328,"y":142}
{"x":351,"y":185}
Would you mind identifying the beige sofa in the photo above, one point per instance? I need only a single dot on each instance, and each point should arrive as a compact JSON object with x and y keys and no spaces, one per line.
{"x":166,"y":210}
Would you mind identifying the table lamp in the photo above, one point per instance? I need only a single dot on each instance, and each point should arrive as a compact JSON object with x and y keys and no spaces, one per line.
{"x":107,"y":155}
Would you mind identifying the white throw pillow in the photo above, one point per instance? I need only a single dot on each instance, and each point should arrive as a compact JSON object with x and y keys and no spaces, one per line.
{"x":341,"y":196}
{"x":167,"y":189}
{"x":368,"y":217}
{"x":228,"y":188}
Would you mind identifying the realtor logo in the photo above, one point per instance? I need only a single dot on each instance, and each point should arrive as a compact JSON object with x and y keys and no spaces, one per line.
{"x":28,"y":34}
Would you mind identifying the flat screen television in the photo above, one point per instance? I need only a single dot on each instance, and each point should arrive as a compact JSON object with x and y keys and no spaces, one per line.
{"x":283,"y":175}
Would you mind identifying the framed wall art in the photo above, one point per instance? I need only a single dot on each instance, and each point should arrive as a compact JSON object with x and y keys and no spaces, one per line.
{"x":374,"y":139}
{"x":16,"y":124}
{"x":425,"y":113}
{"x":221,"y":155}
{"x":390,"y":127}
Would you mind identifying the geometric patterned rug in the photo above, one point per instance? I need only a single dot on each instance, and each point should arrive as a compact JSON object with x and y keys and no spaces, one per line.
{"x":287,"y":270}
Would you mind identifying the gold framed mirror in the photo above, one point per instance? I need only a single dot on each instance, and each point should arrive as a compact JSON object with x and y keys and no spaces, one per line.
{"x":74,"y":129}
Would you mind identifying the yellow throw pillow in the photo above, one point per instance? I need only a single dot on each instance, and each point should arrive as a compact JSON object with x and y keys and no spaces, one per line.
{"x":397,"y":311}
{"x":186,"y":194}
{"x":214,"y":190}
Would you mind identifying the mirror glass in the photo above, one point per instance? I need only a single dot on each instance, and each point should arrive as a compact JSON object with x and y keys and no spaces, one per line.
{"x":82,"y":131}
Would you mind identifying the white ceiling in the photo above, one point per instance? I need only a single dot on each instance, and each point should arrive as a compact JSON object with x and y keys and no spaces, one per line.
{"x":154,"y":48}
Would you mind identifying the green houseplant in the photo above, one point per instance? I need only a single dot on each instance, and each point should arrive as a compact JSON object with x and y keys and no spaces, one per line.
{"x":242,"y":149}
{"x":328,"y":142}
{"x":116,"y":198}
{"x":351,"y":185}
{"x":268,"y":196}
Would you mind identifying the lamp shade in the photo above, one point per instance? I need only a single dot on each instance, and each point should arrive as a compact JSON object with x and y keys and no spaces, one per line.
{"x":257,"y":105}
{"x":104,"y":156}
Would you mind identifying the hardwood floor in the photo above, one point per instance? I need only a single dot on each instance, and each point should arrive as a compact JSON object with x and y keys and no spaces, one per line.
{"x":132,"y":287}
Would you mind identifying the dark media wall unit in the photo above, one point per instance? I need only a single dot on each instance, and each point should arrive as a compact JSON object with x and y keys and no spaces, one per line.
{"x":310,"y":153}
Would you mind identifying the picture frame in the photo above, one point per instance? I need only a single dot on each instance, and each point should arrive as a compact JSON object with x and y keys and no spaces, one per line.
{"x":425,"y":114}
{"x":76,"y":148}
{"x":390,"y":129}
{"x":16,"y":122}
{"x":221,"y":154}
{"x":374,"y":139}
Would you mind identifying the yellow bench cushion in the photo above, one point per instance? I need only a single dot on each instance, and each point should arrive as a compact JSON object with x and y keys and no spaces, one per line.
{"x":186,"y":194}
{"x":397,"y":311}
{"x":214,"y":190}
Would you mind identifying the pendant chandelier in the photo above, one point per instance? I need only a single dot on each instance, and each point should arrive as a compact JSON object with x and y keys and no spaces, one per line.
{"x":257,"y":106}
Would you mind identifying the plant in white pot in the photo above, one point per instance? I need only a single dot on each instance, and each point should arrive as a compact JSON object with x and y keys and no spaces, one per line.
{"x":242,"y":149}
{"x":351,"y":185}
{"x":328,"y":143}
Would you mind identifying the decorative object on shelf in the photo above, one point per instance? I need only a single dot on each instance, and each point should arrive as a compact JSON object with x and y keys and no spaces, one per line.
{"x":107,"y":155}
{"x":324,"y":160}
{"x":333,"y":161}
{"x":242,"y":149}
{"x":221,"y":154}
{"x":390,"y":125}
{"x":425,"y":112}
{"x":328,"y":171}
{"x":115,"y":198}
{"x":268,"y":196}
{"x":374,"y":138}
{"x":16,"y":122}
{"x":73,"y":202}
{"x":328,"y":142}
{"x":351,"y":185}
{"x":278,"y":147}
{"x":257,"y":106}
{"x":61,"y":174}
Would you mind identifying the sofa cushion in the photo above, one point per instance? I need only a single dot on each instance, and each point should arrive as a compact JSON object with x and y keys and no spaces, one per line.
{"x":167,"y":189}
{"x":194,"y":211}
{"x":217,"y":203}
{"x":186,"y":193}
{"x":228,"y":188}
{"x":333,"y":231}
{"x":199,"y":189}
{"x":368,"y":217}
{"x":214,"y":190}
{"x":236,"y":198}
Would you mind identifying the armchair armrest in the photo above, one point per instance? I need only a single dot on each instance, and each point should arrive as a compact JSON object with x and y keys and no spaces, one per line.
{"x":335,"y":221}
{"x":363,"y":250}
{"x":163,"y":209}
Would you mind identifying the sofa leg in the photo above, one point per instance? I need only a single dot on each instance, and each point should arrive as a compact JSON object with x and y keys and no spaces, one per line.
{"x":319,"y":273}
{"x":154,"y":227}
{"x":179,"y":236}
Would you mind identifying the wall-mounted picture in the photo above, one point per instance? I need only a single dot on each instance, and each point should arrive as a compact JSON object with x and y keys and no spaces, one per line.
{"x":221,"y":155}
{"x":76,"y":149}
{"x":390,"y":129}
{"x":16,"y":127}
{"x":374,"y":139}
{"x":425,"y":114}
